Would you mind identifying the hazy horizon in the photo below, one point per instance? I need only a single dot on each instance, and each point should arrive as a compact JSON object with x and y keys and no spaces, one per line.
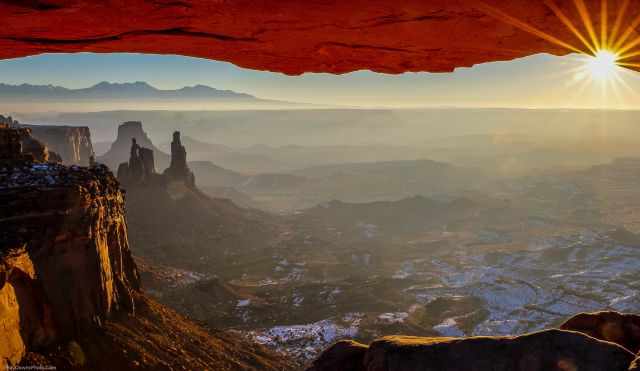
{"x":540,"y":81}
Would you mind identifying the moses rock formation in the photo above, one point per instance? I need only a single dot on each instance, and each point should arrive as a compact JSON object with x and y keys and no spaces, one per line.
{"x":541,"y":351}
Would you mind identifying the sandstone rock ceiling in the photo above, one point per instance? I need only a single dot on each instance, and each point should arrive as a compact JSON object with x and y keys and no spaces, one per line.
{"x":336,"y":36}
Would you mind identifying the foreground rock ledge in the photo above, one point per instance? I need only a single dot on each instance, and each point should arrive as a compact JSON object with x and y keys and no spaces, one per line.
{"x":65,"y":263}
{"x":293,"y":36}
{"x":548,"y":350}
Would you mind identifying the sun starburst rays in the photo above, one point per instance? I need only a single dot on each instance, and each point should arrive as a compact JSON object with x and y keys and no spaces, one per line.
{"x":607,"y":45}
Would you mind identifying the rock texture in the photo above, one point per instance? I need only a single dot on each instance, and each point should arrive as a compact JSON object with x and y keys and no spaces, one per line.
{"x":294,"y":36}
{"x":345,"y":355}
{"x":120,"y":150}
{"x":622,"y":329}
{"x":546,"y":350}
{"x":140,"y":168}
{"x":178,"y":169}
{"x":71,"y":143}
{"x":69,"y":287}
{"x":17,"y":144}
{"x":65,"y":264}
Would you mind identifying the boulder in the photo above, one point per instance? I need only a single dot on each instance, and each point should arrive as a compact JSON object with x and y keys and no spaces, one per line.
{"x":540,"y":351}
{"x":619,"y":328}
{"x":549,"y":350}
{"x":345,"y":355}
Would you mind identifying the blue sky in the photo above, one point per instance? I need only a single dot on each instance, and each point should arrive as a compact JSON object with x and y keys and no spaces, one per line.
{"x":541,"y":81}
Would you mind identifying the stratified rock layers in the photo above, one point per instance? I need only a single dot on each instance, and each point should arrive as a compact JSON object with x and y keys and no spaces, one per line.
{"x":65,"y":264}
{"x":72,"y":143}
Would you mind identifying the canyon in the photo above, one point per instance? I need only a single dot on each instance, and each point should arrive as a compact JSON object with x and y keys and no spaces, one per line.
{"x":481,"y":267}
{"x":70,"y":290}
{"x":284,"y":291}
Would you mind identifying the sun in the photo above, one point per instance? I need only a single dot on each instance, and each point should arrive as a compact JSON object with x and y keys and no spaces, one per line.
{"x":602,"y":66}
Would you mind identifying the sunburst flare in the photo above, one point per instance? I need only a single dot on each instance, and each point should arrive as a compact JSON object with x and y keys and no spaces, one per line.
{"x":606,"y":48}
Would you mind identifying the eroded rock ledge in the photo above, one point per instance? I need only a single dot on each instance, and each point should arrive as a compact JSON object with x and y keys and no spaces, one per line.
{"x":65,"y":264}
{"x":294,"y":37}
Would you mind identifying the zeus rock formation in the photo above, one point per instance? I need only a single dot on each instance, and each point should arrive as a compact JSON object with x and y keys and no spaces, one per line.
{"x":178,"y":169}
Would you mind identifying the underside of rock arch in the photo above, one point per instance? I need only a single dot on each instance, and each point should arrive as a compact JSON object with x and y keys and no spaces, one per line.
{"x":335,"y":36}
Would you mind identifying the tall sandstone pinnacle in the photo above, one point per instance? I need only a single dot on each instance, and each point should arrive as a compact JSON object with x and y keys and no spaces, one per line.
{"x":178,"y":169}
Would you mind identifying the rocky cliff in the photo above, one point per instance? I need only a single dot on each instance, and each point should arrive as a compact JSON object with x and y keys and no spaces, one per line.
{"x":69,"y":287}
{"x":65,"y":262}
{"x":72,"y":143}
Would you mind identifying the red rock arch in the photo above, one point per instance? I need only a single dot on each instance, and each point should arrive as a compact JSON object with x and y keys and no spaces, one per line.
{"x":295,"y":36}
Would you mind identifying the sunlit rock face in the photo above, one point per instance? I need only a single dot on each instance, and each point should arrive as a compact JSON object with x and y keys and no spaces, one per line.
{"x":294,"y":36}
{"x":65,"y":263}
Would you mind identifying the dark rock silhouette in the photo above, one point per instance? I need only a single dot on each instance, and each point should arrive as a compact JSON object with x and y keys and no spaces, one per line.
{"x":345,"y":355}
{"x":178,"y":168}
{"x":140,"y":169}
{"x":120,"y":150}
{"x":540,"y":351}
{"x":619,"y":328}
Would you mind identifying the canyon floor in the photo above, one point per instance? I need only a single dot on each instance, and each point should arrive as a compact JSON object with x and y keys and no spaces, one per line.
{"x":525,"y":258}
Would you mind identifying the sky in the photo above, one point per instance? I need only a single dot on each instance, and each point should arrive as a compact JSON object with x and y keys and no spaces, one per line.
{"x":540,"y":81}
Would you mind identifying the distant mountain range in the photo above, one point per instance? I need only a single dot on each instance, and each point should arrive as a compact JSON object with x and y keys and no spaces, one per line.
{"x":119,"y":91}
